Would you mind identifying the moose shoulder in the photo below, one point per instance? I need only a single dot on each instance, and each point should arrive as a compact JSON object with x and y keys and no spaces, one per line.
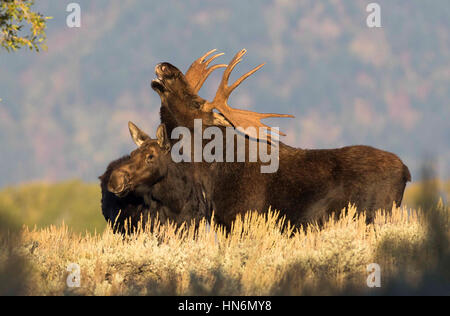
{"x":308,"y":184}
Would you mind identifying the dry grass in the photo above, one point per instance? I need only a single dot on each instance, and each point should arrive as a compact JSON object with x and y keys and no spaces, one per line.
{"x":256,"y":258}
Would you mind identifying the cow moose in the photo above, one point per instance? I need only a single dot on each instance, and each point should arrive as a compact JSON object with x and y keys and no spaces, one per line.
{"x":124,"y":212}
{"x":309,"y":184}
{"x":148,"y":184}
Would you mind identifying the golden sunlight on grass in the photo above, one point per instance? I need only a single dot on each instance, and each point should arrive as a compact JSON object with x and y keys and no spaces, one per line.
{"x":260,"y":256}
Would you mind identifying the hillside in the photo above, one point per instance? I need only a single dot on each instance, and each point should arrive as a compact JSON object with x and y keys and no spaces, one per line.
{"x":40,"y":205}
{"x":64,"y":112}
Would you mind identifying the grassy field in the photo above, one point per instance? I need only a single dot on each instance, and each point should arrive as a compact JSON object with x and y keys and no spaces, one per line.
{"x":43,"y":204}
{"x":411,"y":247}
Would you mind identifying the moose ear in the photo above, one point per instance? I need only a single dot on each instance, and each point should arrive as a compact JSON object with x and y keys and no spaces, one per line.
{"x":138,"y":136}
{"x":163,"y":140}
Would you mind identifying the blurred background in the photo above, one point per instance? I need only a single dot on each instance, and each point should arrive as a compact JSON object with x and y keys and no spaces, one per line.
{"x":64,"y":111}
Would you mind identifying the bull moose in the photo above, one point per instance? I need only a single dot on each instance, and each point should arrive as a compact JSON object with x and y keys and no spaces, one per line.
{"x":309,"y":184}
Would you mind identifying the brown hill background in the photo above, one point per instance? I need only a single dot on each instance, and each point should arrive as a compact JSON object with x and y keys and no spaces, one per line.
{"x":64,"y":112}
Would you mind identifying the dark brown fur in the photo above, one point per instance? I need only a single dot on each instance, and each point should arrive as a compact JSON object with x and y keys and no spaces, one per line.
{"x":309,"y":184}
{"x":150,"y":175}
{"x":118,"y":209}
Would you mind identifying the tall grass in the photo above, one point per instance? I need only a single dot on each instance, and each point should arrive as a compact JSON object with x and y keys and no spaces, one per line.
{"x":255,"y":258}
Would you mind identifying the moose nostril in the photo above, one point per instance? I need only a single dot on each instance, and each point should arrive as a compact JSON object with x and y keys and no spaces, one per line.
{"x":159,"y":69}
{"x":118,"y":182}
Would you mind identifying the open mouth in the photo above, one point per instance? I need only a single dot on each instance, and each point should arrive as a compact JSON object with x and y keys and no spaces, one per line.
{"x":157,"y":85}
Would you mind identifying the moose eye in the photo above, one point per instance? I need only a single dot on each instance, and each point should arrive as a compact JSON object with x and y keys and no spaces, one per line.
{"x":149,"y":158}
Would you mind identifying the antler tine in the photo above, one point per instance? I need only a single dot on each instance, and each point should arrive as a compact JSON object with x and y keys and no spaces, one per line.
{"x":255,"y":116}
{"x":239,"y":117}
{"x":202,"y":59}
{"x":248,"y":74}
{"x":212,"y":68}
{"x":198,"y":72}
{"x":214,"y":57}
{"x":223,"y":88}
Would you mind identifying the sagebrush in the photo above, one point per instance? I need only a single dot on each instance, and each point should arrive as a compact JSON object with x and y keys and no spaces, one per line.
{"x":262,"y":255}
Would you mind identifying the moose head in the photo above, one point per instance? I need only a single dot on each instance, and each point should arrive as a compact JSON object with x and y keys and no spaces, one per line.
{"x":170,"y":189}
{"x":178,"y":93}
{"x":146,"y":166}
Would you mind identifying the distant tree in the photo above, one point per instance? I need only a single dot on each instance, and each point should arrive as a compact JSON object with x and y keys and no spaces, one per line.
{"x":14,"y":16}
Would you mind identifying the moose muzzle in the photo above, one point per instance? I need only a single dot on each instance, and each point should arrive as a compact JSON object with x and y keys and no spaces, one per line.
{"x":118,"y":183}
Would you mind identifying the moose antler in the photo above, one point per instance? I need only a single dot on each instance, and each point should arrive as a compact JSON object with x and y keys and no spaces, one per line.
{"x":238,"y":117}
{"x":198,"y":72}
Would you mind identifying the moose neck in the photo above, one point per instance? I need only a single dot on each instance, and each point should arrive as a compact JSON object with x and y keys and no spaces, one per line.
{"x":180,"y":177}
